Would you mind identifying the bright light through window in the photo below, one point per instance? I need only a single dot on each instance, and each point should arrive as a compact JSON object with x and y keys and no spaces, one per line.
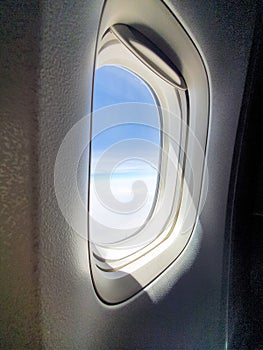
{"x":125,"y":156}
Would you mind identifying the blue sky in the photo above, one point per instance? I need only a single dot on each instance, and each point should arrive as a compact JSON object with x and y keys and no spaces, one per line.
{"x":126,"y":153}
{"x":114,"y":85}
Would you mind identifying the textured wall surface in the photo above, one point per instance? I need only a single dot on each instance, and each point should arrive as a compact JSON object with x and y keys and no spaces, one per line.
{"x":19,"y":65}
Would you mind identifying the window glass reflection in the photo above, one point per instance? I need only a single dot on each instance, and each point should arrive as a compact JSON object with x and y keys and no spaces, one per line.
{"x":125,"y":154}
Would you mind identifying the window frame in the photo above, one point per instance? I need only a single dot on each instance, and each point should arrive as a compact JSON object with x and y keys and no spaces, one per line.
{"x":119,"y":274}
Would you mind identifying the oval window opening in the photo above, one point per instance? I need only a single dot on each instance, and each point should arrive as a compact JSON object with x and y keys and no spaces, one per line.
{"x":125,"y":155}
{"x":148,"y":135}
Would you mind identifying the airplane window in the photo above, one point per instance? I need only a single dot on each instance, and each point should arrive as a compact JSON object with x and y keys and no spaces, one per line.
{"x":125,"y":155}
{"x":148,"y":131}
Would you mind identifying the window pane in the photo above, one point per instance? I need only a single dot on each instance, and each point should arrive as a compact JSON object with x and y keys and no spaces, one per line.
{"x":125,"y":154}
